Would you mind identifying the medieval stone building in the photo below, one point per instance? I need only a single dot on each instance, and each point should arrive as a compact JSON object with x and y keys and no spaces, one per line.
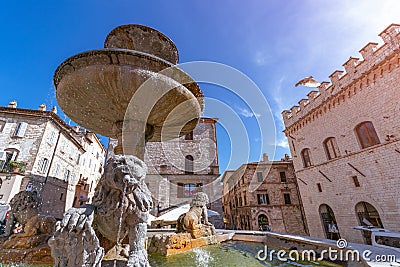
{"x":345,"y":143}
{"x":179,"y":168}
{"x":263,"y":196}
{"x":40,"y":152}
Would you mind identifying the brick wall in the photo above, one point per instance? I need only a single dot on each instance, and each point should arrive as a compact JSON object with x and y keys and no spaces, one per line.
{"x":369,"y":91}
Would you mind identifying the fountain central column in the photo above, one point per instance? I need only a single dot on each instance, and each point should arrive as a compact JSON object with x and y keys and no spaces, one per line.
{"x":132,"y":136}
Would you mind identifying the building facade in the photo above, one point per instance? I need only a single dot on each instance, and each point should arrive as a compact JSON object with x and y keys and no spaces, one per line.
{"x":345,"y":143}
{"x":51,"y":156}
{"x":179,"y":168}
{"x":263,"y":196}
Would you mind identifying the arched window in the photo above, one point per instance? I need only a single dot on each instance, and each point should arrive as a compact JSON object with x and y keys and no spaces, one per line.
{"x":329,"y":223}
{"x":331,"y":148}
{"x":305,"y":155}
{"x":366,"y":134}
{"x":189,"y":136}
{"x":368,"y":216}
{"x":11,"y":154}
{"x":188,"y":164}
{"x":263,"y":222}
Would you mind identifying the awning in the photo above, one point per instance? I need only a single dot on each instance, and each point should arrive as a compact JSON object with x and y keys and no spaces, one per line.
{"x":172,"y":216}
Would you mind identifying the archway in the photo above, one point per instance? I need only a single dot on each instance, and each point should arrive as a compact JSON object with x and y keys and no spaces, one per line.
{"x":368,"y":216}
{"x":329,"y":223}
{"x":263,"y":222}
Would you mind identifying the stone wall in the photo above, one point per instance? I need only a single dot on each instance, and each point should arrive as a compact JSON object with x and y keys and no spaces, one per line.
{"x":369,"y":91}
{"x":242,"y":208}
{"x":54,"y":154}
{"x":166,"y":166}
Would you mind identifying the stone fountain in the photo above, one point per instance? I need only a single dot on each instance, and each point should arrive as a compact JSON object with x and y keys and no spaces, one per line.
{"x":192,"y":231}
{"x":132,"y":91}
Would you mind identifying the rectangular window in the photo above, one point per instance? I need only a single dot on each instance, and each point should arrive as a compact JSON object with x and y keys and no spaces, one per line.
{"x":189,"y":136}
{"x":189,"y":190}
{"x":43,"y":164}
{"x":63,"y":146}
{"x":72,"y":153}
{"x":319,"y":187}
{"x":356,"y":182}
{"x":263,"y":199}
{"x":61,"y":196}
{"x":2,"y":125}
{"x":57,"y":171}
{"x":283,"y":176}
{"x":67,"y":173}
{"x":286,"y":197}
{"x":52,"y":137}
{"x":21,"y":129}
{"x":260,"y":177}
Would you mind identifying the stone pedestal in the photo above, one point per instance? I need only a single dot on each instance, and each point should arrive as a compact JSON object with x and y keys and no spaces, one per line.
{"x":24,"y":253}
{"x":169,"y":244}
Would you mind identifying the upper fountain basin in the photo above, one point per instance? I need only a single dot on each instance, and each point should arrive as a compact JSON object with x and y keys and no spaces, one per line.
{"x":98,"y":88}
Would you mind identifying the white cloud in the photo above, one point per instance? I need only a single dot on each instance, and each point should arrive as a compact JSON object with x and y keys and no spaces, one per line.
{"x":260,"y":58}
{"x":283,"y":142}
{"x":247,"y":113}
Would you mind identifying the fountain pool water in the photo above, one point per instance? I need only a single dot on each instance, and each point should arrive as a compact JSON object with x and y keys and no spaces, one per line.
{"x":227,"y":254}
{"x":231,"y":253}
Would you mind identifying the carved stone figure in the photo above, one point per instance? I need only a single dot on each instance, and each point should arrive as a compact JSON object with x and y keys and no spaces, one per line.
{"x":195,"y":221}
{"x":36,"y":228}
{"x":120,"y":209}
{"x":193,"y":230}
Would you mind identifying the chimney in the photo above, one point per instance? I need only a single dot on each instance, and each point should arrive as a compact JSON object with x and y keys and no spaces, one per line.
{"x":265,"y":157}
{"x":54,"y":110}
{"x":42,"y":107}
{"x":12,"y":104}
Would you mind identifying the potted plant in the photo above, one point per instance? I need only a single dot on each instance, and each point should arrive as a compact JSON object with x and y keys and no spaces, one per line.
{"x":16,"y":166}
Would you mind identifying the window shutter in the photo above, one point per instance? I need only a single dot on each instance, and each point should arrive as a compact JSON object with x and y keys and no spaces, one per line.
{"x":40,"y":164}
{"x":180,"y":189}
{"x":21,"y":129}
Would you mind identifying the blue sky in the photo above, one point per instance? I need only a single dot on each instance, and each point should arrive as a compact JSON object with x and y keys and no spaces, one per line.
{"x":274,"y":43}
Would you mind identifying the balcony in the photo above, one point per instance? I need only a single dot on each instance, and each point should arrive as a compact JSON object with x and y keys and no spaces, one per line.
{"x":12,"y":167}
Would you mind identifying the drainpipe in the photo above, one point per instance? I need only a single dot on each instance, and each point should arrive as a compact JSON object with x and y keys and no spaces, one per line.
{"x":52,"y":157}
{"x":303,"y":217}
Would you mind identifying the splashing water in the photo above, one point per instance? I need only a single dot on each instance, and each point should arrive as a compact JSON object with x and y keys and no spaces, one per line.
{"x":120,"y":222}
{"x":203,"y":257}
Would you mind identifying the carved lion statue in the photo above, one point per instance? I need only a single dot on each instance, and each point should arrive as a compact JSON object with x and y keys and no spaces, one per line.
{"x":195,"y":221}
{"x":25,"y":210}
{"x":119,"y":210}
